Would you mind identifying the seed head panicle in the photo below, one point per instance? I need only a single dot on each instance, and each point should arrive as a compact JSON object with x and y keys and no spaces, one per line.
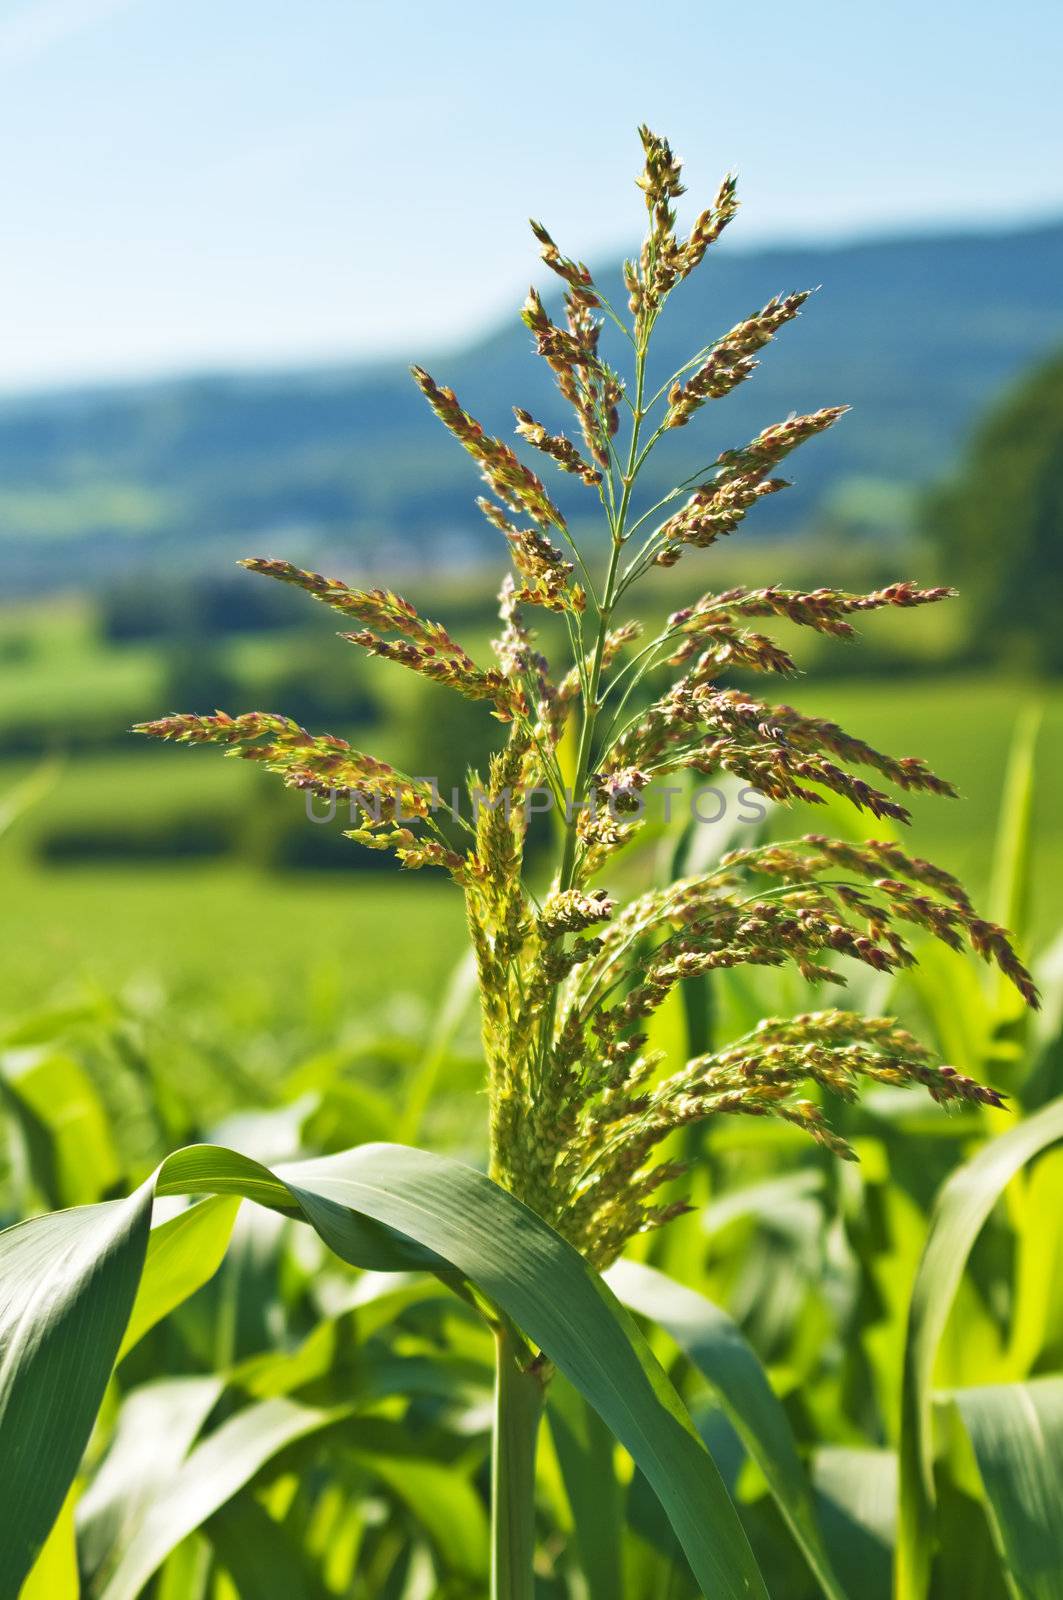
{"x":730,"y":361}
{"x":711,"y":223}
{"x":378,"y":608}
{"x":582,"y":1109}
{"x":186,"y":727}
{"x":511,"y":480}
{"x":589,"y":385}
{"x":773,"y":444}
{"x":321,"y":763}
{"x":518,"y":659}
{"x":557,"y":447}
{"x":665,"y":260}
{"x":469,"y":680}
{"x":712,"y":512}
{"x":823,"y":610}
{"x":574,"y":273}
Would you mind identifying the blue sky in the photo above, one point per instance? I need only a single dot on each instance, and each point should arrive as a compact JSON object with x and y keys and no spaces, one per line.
{"x":204,"y":183}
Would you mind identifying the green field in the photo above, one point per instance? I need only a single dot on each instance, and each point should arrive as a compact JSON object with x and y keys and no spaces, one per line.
{"x":228,"y":924}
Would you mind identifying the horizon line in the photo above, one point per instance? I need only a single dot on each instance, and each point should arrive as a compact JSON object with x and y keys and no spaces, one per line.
{"x":235,"y":367}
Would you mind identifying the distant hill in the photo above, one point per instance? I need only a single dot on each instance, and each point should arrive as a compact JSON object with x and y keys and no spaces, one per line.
{"x":918,"y":334}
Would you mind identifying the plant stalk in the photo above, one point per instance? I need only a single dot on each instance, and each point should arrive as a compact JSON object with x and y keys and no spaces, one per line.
{"x":591,"y":704}
{"x":519,"y":1398}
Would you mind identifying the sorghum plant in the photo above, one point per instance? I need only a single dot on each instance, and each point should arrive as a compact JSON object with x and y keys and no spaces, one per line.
{"x":580,"y":1108}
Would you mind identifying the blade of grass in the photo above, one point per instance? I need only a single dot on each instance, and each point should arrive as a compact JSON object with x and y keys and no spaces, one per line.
{"x":1017,"y":1433}
{"x":380,"y":1206}
{"x":961,"y":1208}
{"x":715,"y":1345}
{"x":210,"y":1475}
{"x":585,"y":1451}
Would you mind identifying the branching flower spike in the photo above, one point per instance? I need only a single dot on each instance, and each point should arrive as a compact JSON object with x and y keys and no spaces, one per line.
{"x":580,"y":1108}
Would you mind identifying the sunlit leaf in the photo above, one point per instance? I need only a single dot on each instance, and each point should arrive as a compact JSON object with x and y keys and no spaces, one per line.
{"x":382,"y":1206}
{"x":714,"y":1343}
{"x":962,"y":1207}
{"x":1017,"y":1433}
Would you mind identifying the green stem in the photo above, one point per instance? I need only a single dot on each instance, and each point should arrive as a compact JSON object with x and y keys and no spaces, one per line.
{"x":591,"y":700}
{"x":591,"y":705}
{"x":519,"y":1397}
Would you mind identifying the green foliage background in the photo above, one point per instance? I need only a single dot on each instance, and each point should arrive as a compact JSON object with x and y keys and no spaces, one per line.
{"x":186,"y":958}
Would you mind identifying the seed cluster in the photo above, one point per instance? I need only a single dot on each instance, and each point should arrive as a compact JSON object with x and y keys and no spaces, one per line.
{"x":424,"y":646}
{"x":730,"y":361}
{"x":321,"y":762}
{"x":665,"y":260}
{"x":510,"y":479}
{"x":588,"y":384}
{"x":557,"y":447}
{"x":580,"y":1107}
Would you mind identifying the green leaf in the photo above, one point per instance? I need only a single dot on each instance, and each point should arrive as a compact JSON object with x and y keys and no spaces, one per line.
{"x":382,"y":1206}
{"x":1016,"y":1430}
{"x":1037,"y":1306}
{"x":69,"y":1283}
{"x":551,"y":1293}
{"x":46,"y":1025}
{"x":67,"y":1136}
{"x":183,"y":1254}
{"x":259,"y":1555}
{"x":443,"y":1501}
{"x":460,"y":990}
{"x":214,"y":1471}
{"x":715,"y":1344}
{"x":585,"y":1452}
{"x":1010,"y":892}
{"x":55,"y":1571}
{"x":961,"y":1208}
{"x":156,"y":1428}
{"x":856,"y":1492}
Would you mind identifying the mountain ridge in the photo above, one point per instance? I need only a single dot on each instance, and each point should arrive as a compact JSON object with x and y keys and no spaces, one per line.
{"x":919,"y":333}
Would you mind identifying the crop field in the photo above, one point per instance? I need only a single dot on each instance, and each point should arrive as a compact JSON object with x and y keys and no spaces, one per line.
{"x":231,"y":924}
{"x":618,"y":1204}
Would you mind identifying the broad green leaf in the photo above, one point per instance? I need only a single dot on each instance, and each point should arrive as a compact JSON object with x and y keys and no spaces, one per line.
{"x":961,"y":1208}
{"x":55,"y":1571}
{"x":1037,"y":1311}
{"x":71,"y":1154}
{"x":214,"y":1471}
{"x":259,"y":1555}
{"x":156,"y":1428}
{"x":1010,"y":892}
{"x":585,"y":1452}
{"x":1046,"y":1029}
{"x":856,"y":1492}
{"x":443,"y":1501}
{"x":334,"y":1534}
{"x":788,"y":1203}
{"x":716,"y":1346}
{"x":346,"y":1113}
{"x":46,"y":1025}
{"x":183,"y":1254}
{"x":559,"y":1302}
{"x":1017,"y":1433}
{"x":67,"y":1287}
{"x":456,"y":1001}
{"x":950,"y":992}
{"x":387,"y":1207}
{"x":188,"y":1573}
